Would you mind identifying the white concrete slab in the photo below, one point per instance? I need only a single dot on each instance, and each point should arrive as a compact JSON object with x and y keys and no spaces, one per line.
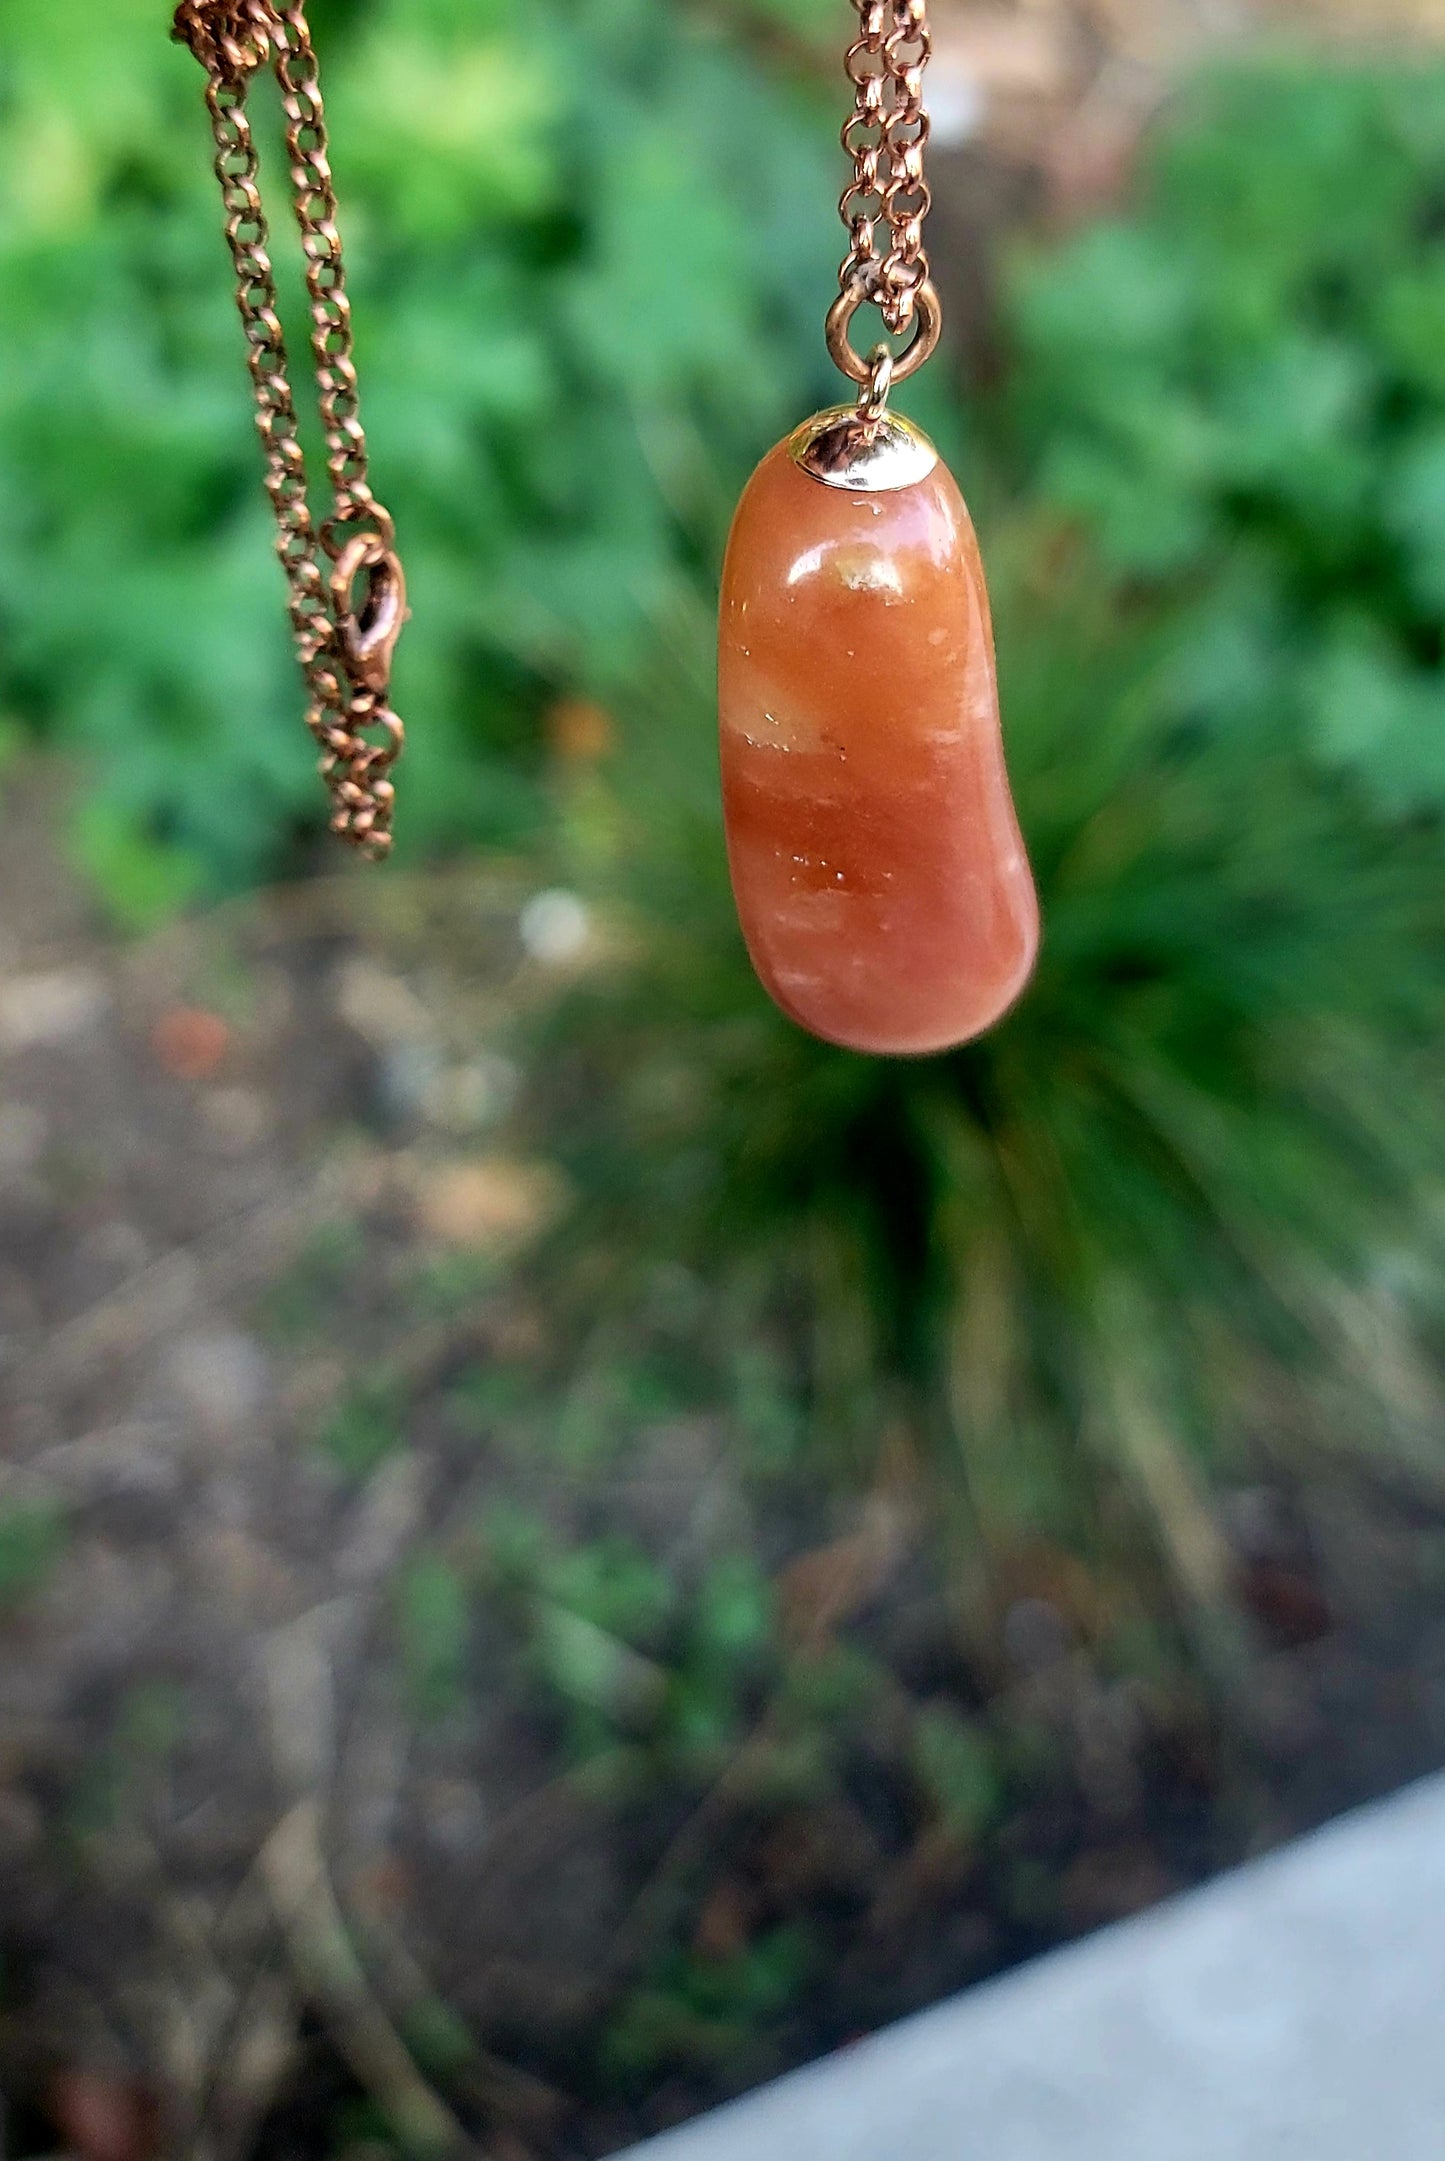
{"x":1292,"y":2011}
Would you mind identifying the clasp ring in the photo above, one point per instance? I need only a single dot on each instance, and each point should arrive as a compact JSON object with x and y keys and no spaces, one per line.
{"x":369,"y":633}
{"x":927,"y":326}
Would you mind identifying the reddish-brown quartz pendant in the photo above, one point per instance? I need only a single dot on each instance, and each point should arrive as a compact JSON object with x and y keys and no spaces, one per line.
{"x":876,"y":859}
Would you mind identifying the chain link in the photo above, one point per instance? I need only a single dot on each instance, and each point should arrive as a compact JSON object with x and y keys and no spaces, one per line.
{"x":344,"y":648}
{"x":886,"y":135}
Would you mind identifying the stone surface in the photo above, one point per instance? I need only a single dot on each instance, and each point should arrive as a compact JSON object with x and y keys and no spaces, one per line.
{"x":879,"y":872}
{"x":1289,"y":2012}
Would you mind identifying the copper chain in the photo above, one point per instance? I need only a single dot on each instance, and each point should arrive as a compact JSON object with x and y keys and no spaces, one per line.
{"x":887,"y":197}
{"x":345,"y":648}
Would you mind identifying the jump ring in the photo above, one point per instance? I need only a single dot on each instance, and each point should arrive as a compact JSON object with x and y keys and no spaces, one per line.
{"x":928,"y":323}
{"x":873,"y":397}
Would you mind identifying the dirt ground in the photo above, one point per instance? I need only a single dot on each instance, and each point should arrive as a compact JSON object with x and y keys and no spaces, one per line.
{"x":293,"y":1865}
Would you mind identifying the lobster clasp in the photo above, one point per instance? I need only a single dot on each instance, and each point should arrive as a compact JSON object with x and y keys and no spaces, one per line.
{"x":369,"y":632}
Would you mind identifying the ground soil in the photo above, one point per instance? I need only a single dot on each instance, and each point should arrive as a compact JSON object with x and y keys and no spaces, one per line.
{"x":256,"y":1896}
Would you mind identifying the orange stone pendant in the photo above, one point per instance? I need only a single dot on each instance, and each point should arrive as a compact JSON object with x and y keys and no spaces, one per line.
{"x":876,"y":858}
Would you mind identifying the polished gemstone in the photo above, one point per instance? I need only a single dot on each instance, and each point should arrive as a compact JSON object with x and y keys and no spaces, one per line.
{"x":876,"y":859}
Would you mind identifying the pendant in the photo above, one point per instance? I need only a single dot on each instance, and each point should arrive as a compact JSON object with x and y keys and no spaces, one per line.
{"x":876,"y":859}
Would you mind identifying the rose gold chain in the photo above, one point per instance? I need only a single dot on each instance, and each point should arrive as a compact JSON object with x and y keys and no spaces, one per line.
{"x":887,"y":197}
{"x":345,"y":648}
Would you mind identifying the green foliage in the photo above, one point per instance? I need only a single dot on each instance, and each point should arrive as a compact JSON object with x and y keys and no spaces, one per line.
{"x":151,"y":1722}
{"x":1243,"y":382}
{"x":1066,"y":1256}
{"x":144,"y":880}
{"x":438,"y":2037}
{"x":125,"y":1771}
{"x":588,"y":260}
{"x":434,"y":1621}
{"x":957,"y":1766}
{"x":701,"y":2013}
{"x":299,"y":1302}
{"x":32,"y":1539}
{"x":365,"y":1427}
{"x":629,"y":1652}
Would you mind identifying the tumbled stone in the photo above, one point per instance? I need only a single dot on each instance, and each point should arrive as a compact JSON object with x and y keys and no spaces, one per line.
{"x":879,"y":871}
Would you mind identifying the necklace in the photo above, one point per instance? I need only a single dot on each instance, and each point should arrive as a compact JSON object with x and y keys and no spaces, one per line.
{"x":347,"y":594}
{"x":876,"y":859}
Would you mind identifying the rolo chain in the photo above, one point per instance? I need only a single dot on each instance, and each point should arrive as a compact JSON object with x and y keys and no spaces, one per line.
{"x":887,"y":197}
{"x":344,"y":643}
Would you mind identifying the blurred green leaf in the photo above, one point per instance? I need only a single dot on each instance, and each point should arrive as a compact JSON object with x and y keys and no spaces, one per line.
{"x":958,"y":1768}
{"x":1245,"y":373}
{"x":434,"y":1619}
{"x":32,"y":1539}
